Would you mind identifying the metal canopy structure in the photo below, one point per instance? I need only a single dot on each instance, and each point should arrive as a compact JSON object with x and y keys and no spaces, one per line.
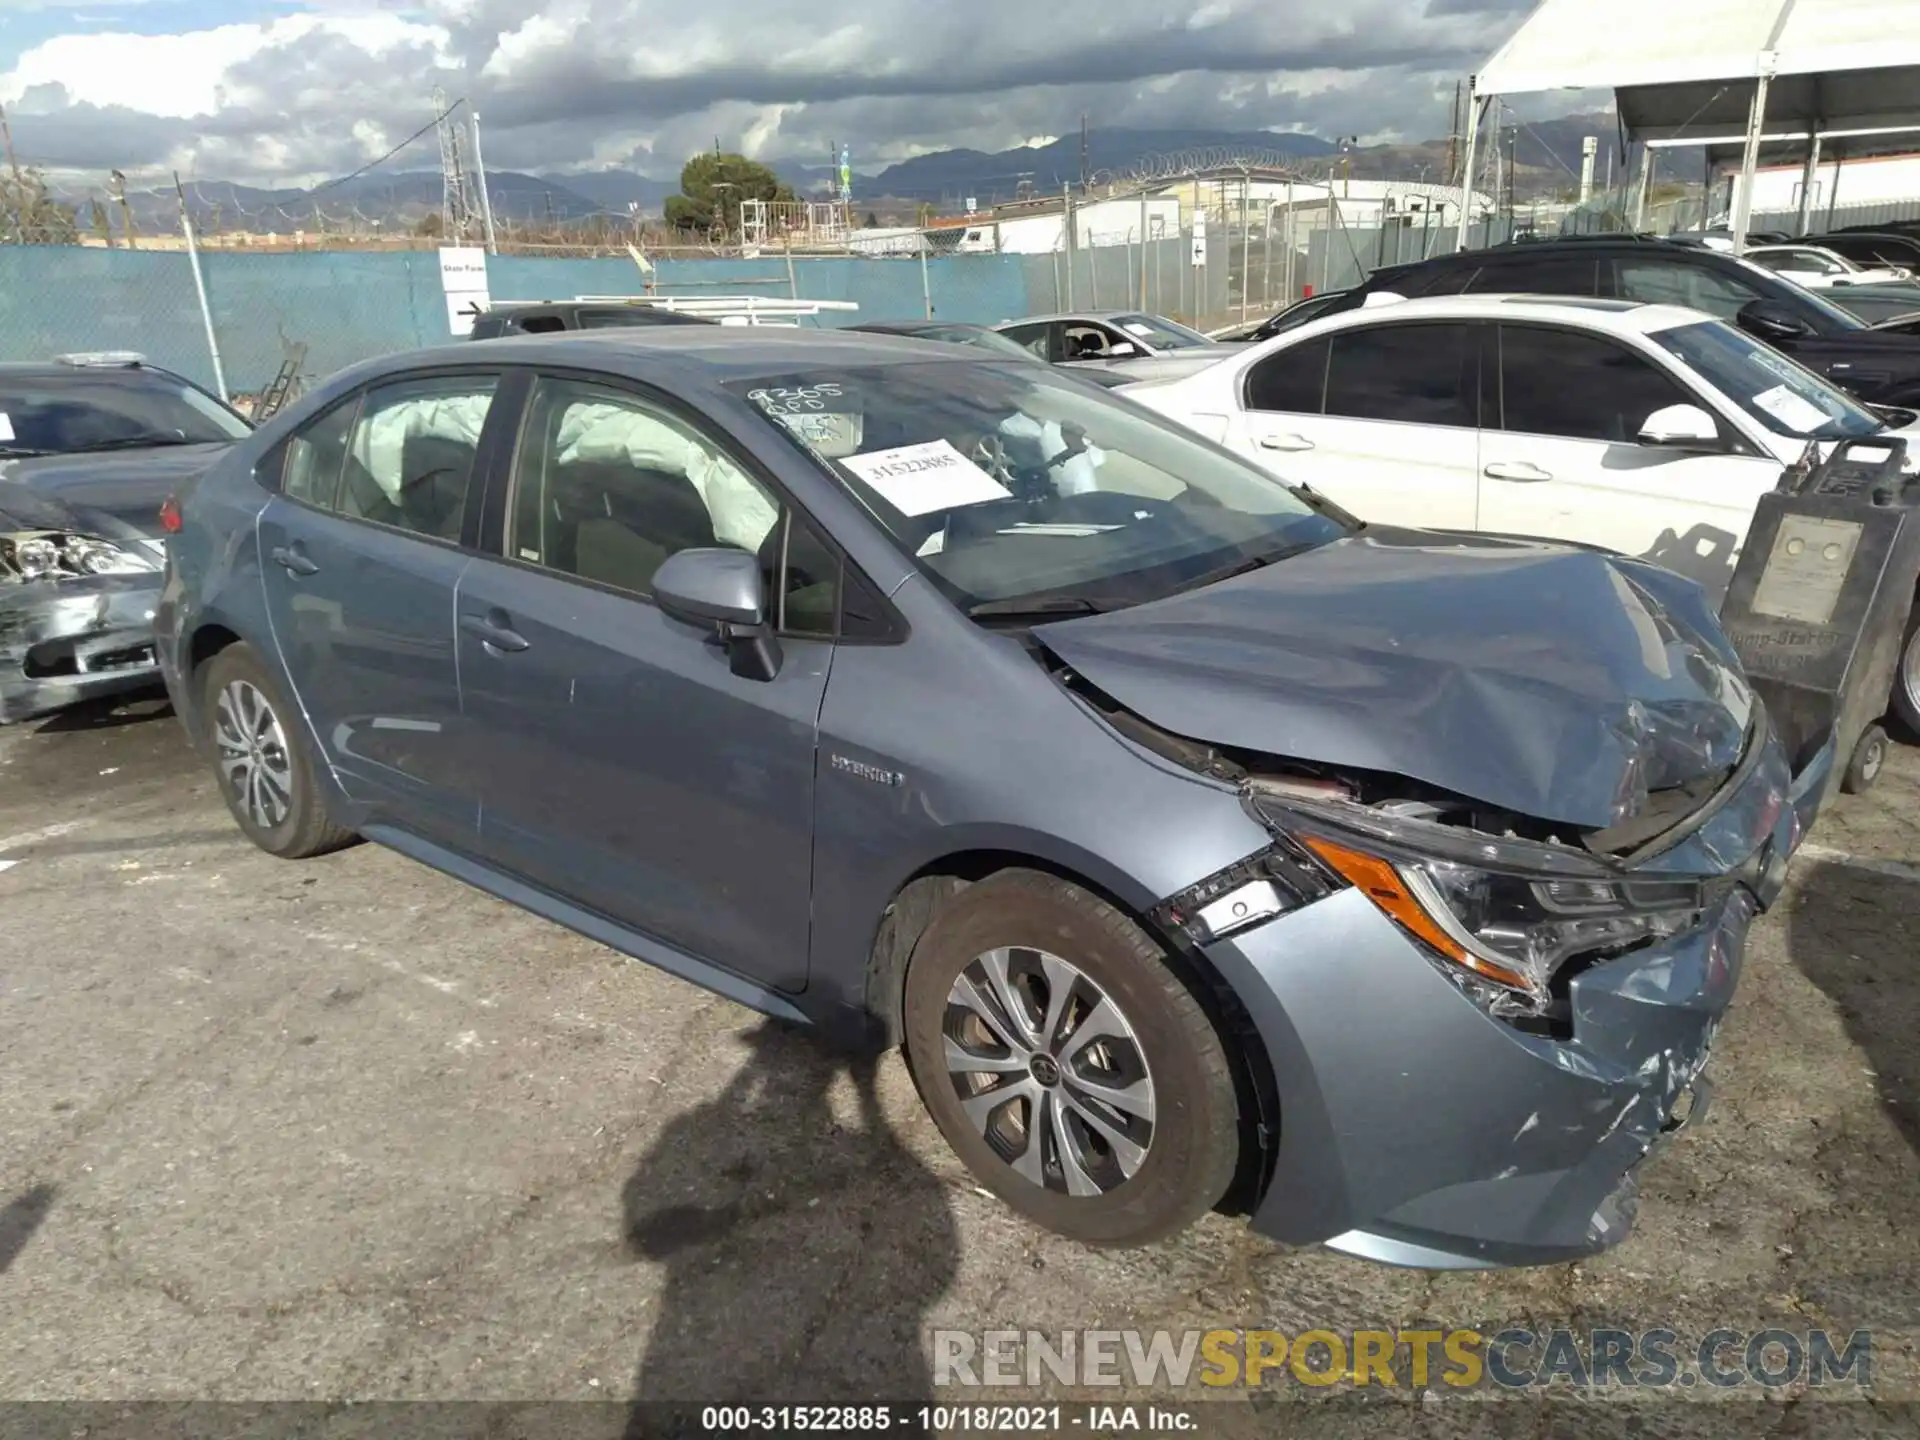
{"x":1723,"y":72}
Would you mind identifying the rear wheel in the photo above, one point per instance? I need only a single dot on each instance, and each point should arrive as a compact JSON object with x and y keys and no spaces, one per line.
{"x":1067,"y":1064}
{"x":265,"y":776}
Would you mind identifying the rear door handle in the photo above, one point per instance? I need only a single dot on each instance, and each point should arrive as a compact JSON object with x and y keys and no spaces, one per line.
{"x":1518,"y":471}
{"x":494,"y":630}
{"x":293,"y":559}
{"x":1285,"y":442}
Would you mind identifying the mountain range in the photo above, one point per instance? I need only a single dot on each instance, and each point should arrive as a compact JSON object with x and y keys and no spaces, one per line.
{"x":1546,"y":156}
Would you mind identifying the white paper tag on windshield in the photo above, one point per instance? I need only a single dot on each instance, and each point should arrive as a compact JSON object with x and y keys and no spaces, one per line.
{"x":6,"y":426}
{"x":919,"y":479}
{"x":1136,"y":328}
{"x":1790,"y":409}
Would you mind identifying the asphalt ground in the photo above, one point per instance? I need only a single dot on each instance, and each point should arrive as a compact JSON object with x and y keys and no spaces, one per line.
{"x":347,"y":1130}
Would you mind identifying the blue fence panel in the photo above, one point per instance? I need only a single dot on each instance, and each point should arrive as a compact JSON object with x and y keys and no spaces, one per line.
{"x":56,"y":299}
{"x":345,"y":306}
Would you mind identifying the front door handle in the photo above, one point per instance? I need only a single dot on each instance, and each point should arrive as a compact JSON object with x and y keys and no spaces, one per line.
{"x":494,"y":629}
{"x":293,"y":559}
{"x":1285,"y":442}
{"x":1518,"y":471}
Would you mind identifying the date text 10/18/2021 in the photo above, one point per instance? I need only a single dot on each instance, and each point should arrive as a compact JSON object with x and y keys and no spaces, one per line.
{"x":1093,"y":1419}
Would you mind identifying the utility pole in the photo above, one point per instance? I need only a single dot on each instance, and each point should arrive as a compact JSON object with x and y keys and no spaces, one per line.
{"x":480,"y":174}
{"x":1453,"y":135}
{"x":1083,"y":152}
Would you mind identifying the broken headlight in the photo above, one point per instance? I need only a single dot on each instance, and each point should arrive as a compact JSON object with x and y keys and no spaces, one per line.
{"x":50,"y":555}
{"x":1504,"y":909}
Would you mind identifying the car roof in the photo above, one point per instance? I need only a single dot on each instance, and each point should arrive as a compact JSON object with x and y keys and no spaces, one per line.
{"x":1069,"y":315}
{"x":714,"y":353}
{"x":911,"y":327}
{"x":53,"y":369}
{"x":1631,"y":317}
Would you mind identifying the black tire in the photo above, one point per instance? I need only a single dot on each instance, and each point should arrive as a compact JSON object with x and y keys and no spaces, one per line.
{"x":300,"y":827}
{"x":1865,"y":764}
{"x":1906,"y":691}
{"x":1193,"y":1146}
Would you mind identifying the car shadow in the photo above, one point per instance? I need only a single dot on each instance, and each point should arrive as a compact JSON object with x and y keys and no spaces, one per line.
{"x":801,"y":1249}
{"x":1850,"y":933}
{"x":136,"y":707}
{"x":22,"y":1216}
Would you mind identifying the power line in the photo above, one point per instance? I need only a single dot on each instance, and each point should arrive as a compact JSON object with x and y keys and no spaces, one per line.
{"x":375,"y":164}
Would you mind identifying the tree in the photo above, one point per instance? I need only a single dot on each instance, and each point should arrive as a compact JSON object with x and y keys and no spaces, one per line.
{"x":872,"y":221}
{"x":428,"y":224}
{"x":29,"y":215}
{"x":712,"y":187}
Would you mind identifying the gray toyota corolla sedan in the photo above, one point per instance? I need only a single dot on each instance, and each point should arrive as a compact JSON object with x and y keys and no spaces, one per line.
{"x":1202,"y":847}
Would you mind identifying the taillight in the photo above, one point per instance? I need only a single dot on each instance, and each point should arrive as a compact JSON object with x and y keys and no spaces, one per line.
{"x":170,"y":520}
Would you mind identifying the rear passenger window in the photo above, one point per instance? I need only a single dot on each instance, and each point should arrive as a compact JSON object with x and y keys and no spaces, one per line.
{"x":1417,"y":374}
{"x":410,"y":461}
{"x":316,"y":455}
{"x":1294,"y":381}
{"x":606,"y":486}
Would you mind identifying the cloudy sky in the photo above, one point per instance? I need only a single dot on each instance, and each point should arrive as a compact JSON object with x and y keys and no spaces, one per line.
{"x":276,"y":91}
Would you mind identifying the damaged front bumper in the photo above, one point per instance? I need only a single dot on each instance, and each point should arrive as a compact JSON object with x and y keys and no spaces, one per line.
{"x":72,"y":639}
{"x":1419,"y":1128}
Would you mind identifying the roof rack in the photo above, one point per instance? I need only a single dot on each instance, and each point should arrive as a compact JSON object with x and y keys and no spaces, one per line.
{"x":730,"y":309}
{"x":102,"y":359}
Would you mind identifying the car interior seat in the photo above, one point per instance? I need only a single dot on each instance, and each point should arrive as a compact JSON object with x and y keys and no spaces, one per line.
{"x":615,"y":522}
{"x":433,"y":483}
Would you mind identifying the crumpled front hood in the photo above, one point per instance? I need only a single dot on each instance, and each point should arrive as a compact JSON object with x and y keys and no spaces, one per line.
{"x":127,"y":484}
{"x":26,"y":509}
{"x":1550,"y":680}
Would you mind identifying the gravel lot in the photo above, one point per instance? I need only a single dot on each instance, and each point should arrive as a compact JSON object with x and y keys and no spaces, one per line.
{"x":348,"y":1130}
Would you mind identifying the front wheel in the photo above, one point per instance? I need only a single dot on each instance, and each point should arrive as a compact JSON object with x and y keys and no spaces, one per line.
{"x":1067,"y":1064}
{"x":1906,"y":679}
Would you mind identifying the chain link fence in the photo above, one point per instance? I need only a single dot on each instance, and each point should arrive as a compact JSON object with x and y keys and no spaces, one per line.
{"x":1119,"y":273}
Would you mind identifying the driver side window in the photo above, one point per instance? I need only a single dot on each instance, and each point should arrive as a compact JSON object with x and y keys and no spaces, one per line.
{"x":1660,"y":282}
{"x":607,"y":486}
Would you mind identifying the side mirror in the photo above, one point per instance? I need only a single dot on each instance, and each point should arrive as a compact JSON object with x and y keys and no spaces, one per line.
{"x":1120,"y":349}
{"x":1772,"y":320}
{"x":724,"y":589}
{"x":1681,"y":427}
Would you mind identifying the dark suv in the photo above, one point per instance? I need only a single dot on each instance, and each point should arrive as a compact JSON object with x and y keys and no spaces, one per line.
{"x":1881,"y":367}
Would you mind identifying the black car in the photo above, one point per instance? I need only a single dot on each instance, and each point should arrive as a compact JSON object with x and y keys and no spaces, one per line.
{"x":1872,"y":247}
{"x":1880,"y":366}
{"x":543,"y":317}
{"x":90,"y":449}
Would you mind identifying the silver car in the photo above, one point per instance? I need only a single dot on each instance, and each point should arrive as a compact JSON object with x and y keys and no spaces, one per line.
{"x":1202,"y":847}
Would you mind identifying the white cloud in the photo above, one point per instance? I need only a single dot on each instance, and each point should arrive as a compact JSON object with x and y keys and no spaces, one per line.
{"x":618,"y":82}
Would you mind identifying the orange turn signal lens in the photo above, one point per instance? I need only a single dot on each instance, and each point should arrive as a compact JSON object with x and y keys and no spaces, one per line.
{"x":1380,"y":882}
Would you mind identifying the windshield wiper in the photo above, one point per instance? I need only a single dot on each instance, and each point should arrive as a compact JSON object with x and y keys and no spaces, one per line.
{"x":1046,"y":607}
{"x":135,"y":442}
{"x":18,"y":452}
{"x":1253,"y":562}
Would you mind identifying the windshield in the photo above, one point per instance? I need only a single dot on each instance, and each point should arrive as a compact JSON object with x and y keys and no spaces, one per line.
{"x":1828,"y":318}
{"x":1782,"y":395}
{"x":1159,"y":332}
{"x":1009,"y":481}
{"x":56,"y":414}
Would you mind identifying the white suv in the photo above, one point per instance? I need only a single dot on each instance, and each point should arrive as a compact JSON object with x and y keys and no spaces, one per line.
{"x":1649,"y":429}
